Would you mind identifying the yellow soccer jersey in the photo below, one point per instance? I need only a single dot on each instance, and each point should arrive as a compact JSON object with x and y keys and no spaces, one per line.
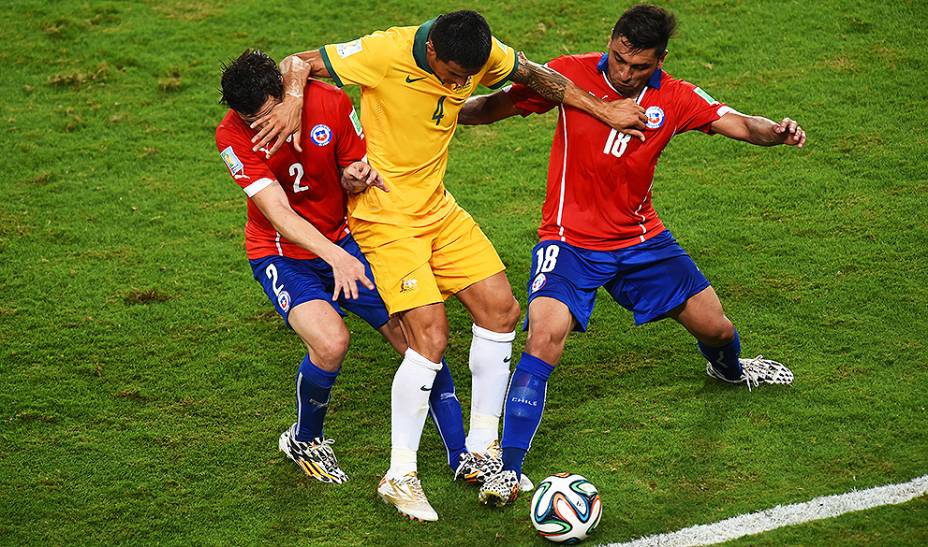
{"x":409,"y":117}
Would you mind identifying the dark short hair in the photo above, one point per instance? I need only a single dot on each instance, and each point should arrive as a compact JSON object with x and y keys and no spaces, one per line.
{"x":646,"y":27}
{"x":463,"y":37}
{"x":249,"y":80}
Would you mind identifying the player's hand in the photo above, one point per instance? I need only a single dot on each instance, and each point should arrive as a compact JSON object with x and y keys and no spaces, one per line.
{"x":626,"y":116}
{"x":347,"y":272}
{"x":359,"y":176}
{"x":282,"y":121}
{"x":789,"y":133}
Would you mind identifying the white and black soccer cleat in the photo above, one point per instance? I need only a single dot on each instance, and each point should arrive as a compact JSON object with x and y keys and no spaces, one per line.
{"x":475,"y":467}
{"x":500,"y":489}
{"x":316,"y":458}
{"x":755,"y":372}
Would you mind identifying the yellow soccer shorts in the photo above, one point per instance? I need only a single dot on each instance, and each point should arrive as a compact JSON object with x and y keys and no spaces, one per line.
{"x":428,"y":264}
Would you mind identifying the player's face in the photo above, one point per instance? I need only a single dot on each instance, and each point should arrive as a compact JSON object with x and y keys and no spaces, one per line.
{"x":450,"y":73}
{"x":265,"y":109}
{"x":629,"y":69}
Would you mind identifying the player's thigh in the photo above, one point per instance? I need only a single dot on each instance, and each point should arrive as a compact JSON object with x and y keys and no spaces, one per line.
{"x":653,"y":290}
{"x":392,"y":331}
{"x":550,"y":322}
{"x":702,"y":315}
{"x":402,"y":272}
{"x":322,"y":330}
{"x":289,"y":282}
{"x":369,"y":305}
{"x":491,"y":303}
{"x":569,"y":275}
{"x":302,"y":296}
{"x":462,"y":255}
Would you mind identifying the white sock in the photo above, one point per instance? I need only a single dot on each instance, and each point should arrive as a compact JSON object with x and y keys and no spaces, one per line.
{"x":490,"y":353}
{"x":409,"y":406}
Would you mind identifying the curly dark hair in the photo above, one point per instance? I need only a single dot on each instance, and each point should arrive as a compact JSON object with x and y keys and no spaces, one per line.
{"x":248,"y":80}
{"x":645,"y":27}
{"x":463,"y":37}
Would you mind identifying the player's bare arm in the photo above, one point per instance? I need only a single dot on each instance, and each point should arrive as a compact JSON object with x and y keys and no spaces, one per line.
{"x":346,"y":269}
{"x":359,"y":176}
{"x":624,"y":115}
{"x":284,"y":119}
{"x":760,"y":130}
{"x":485,"y":109}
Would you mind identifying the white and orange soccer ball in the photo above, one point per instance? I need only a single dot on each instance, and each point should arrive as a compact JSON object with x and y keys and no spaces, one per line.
{"x":566,"y":508}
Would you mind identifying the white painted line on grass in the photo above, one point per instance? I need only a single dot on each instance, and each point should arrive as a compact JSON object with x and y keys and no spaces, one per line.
{"x":786,"y":515}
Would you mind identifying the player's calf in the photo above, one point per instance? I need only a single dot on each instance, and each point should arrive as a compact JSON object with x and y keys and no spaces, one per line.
{"x":724,"y":359}
{"x":490,"y":355}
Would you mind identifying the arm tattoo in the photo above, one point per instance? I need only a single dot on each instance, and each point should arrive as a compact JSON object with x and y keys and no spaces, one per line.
{"x":541,"y":79}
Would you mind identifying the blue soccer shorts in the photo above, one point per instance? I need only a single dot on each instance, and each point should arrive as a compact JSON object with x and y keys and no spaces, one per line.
{"x":288,"y":282}
{"x":648,"y":279}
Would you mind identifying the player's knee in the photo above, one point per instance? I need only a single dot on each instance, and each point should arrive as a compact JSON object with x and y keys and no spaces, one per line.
{"x":329,"y":352}
{"x":546,"y":344}
{"x":430,"y":341}
{"x":719,"y":333}
{"x":504,"y":317}
{"x":510,"y":316}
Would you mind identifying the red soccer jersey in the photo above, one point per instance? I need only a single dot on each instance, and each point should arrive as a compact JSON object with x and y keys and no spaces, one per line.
{"x":331,"y":139}
{"x":599,"y":180}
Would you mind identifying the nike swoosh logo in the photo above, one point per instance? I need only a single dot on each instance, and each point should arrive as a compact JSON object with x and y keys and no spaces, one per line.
{"x":423,"y":388}
{"x":411,"y":80}
{"x":507,"y":359}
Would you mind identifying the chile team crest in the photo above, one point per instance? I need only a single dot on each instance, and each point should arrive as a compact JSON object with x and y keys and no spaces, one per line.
{"x":321,"y":134}
{"x":655,"y":117}
{"x":283,"y":299}
{"x":539,"y":282}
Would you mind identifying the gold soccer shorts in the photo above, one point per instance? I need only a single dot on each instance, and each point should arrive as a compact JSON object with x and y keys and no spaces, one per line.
{"x":418,"y":266}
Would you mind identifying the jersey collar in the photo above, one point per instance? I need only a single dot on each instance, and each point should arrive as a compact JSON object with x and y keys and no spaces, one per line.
{"x":654,"y":81}
{"x":418,"y":45}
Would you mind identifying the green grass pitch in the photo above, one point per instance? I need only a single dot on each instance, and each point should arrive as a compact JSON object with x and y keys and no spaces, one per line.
{"x":144,"y":378}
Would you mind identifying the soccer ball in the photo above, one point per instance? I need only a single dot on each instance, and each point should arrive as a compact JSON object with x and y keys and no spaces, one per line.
{"x":566,"y":508}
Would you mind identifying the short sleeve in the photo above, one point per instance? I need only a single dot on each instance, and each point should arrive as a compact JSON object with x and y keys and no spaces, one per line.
{"x":501,"y":65}
{"x":349,"y":146}
{"x":696,"y":109}
{"x":362,"y":62}
{"x":247,"y":168}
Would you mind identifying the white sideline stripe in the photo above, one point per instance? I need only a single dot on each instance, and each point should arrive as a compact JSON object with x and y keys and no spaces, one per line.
{"x":786,"y":515}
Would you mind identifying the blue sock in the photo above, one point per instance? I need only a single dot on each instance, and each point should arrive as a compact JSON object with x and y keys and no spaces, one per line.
{"x":525,"y":403}
{"x":446,"y":413}
{"x":313,"y":387}
{"x":725,"y":358}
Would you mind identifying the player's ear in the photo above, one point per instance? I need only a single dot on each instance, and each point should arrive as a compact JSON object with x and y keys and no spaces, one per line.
{"x":660,"y":60}
{"x":430,"y":55}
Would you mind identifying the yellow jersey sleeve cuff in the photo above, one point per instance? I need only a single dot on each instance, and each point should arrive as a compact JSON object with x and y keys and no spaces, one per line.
{"x":328,"y":66}
{"x":506,"y":78}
